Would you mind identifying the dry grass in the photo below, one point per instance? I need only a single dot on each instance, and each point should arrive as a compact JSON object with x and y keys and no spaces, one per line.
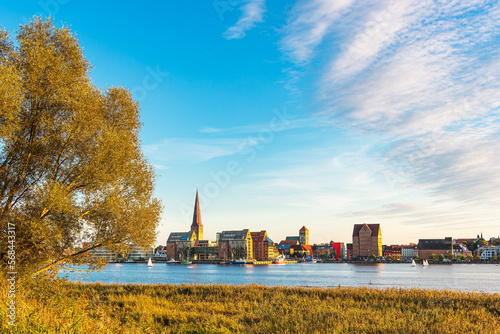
{"x":62,"y":307}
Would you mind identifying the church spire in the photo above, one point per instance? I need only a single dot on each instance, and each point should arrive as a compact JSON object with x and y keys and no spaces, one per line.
{"x":197,"y":226}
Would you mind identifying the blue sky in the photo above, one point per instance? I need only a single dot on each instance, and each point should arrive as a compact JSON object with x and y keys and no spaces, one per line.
{"x":316,"y":113}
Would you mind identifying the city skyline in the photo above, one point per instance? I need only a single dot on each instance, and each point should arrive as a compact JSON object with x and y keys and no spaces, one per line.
{"x":318,"y":113}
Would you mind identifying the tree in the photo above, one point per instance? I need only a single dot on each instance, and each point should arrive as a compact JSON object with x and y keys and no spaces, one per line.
{"x":432,"y":256}
{"x":469,"y":257}
{"x":373,"y":257}
{"x":461,"y":257}
{"x":71,"y":168}
{"x":441,"y":257}
{"x":415,"y":257}
{"x":389,"y":257}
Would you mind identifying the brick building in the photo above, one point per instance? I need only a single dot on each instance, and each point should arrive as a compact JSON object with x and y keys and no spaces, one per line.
{"x":426,"y":247}
{"x":263,"y":246}
{"x":366,"y":240}
{"x":235,"y":245}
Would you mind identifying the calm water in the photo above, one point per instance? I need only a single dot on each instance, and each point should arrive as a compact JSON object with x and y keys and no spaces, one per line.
{"x":465,"y":277}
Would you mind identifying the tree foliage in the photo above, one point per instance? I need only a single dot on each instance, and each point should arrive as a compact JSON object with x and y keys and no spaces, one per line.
{"x":71,"y":168}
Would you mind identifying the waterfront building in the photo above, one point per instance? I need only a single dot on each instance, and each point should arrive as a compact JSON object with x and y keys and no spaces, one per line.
{"x":139,"y":253}
{"x":179,"y":245}
{"x":409,"y":251}
{"x":263,"y":246}
{"x":322,"y":251}
{"x":487,"y":252}
{"x":339,"y":251}
{"x":284,"y":246}
{"x":332,"y":250}
{"x":103,"y":253}
{"x":392,"y":250}
{"x":426,"y":247}
{"x":197,"y":226}
{"x":235,"y":245}
{"x":349,"y":251}
{"x":366,"y":240}
{"x":161,"y":252}
{"x":205,"y":250}
{"x":461,"y":249}
{"x":301,"y":250}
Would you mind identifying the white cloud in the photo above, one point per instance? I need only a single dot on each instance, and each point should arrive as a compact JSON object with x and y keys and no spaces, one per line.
{"x":252,"y":13}
{"x":310,"y":21}
{"x":173,"y":150}
{"x":424,"y":74}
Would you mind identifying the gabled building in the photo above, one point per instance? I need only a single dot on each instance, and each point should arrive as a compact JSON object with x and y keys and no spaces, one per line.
{"x":235,"y":245}
{"x":366,"y":240}
{"x":263,"y":246}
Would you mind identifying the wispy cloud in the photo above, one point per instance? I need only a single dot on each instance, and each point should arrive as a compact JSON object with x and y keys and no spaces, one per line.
{"x":191,"y":150}
{"x":276,"y":124}
{"x":309,"y":22}
{"x":423,"y":73}
{"x":252,"y":13}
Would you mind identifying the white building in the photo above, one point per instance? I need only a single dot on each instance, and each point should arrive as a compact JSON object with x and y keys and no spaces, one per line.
{"x":488,"y":251}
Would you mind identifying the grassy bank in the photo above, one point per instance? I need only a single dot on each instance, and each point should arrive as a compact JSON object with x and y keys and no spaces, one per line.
{"x":62,"y":307}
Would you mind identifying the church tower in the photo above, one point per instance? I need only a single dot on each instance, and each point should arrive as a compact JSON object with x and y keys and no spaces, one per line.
{"x":304,"y":236}
{"x":197,"y":226}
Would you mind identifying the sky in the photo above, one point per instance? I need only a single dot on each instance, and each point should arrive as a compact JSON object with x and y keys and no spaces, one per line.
{"x":318,"y":113}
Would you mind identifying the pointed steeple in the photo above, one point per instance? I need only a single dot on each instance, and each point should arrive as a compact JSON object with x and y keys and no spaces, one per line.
{"x":197,"y":226}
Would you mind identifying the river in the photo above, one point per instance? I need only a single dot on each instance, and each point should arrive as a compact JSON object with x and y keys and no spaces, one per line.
{"x":464,"y":277}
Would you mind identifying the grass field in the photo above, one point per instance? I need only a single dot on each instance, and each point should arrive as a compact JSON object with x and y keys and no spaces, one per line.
{"x":62,"y":307}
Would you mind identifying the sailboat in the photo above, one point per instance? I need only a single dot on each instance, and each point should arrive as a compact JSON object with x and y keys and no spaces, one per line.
{"x":413,"y":264}
{"x":150,"y":263}
{"x":425,"y":263}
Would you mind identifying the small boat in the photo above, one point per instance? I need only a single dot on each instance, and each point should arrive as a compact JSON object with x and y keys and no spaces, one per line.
{"x":150,"y":263}
{"x":172,"y":261}
{"x":186,"y":262}
{"x":425,"y":263}
{"x":280,"y":260}
{"x":240,"y":261}
{"x":413,"y":264}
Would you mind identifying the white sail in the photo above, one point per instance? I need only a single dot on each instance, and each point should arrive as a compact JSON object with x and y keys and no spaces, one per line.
{"x":150,"y":263}
{"x":413,"y":264}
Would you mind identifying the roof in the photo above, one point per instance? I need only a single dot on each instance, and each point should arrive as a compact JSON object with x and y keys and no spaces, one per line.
{"x":301,"y":247}
{"x":196,"y":214}
{"x":433,"y":244}
{"x":293,"y":238}
{"x":375,"y":228}
{"x":180,"y":236}
{"x":289,"y":242}
{"x":304,"y":229}
{"x":258,"y":236}
{"x":233,"y":235}
{"x":267,"y":239}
